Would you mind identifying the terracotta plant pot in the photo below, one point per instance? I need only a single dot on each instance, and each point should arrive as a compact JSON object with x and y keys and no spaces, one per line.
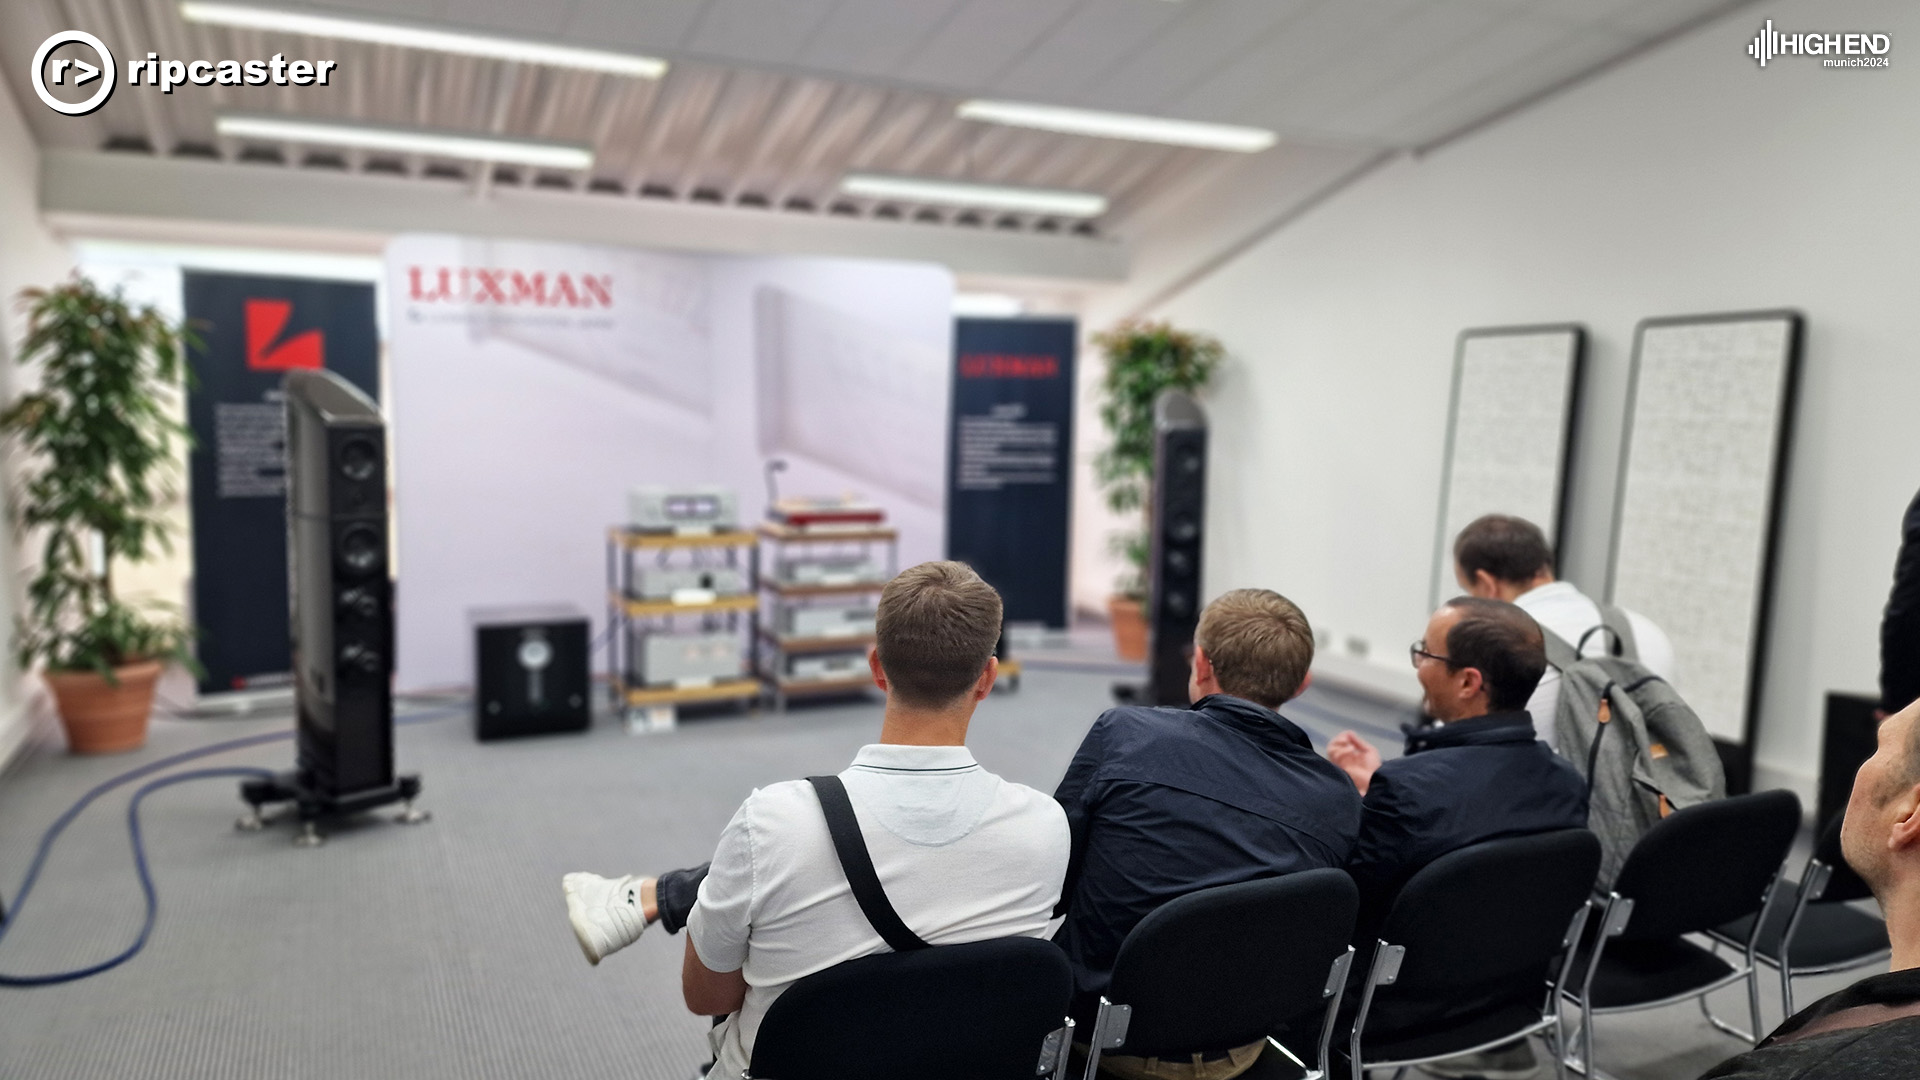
{"x":1129,"y":627}
{"x":101,"y":717}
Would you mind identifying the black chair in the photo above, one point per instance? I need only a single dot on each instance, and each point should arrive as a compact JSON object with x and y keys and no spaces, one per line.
{"x":986,"y":1010}
{"x":1818,"y":932}
{"x":1230,"y":966}
{"x":1699,"y":869}
{"x":1475,"y":950}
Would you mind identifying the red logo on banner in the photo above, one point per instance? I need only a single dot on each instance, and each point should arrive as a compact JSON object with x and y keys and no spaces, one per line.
{"x":1003,"y":366}
{"x":265,"y":320}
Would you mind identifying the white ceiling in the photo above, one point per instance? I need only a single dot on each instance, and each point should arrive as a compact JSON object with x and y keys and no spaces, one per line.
{"x":770,"y":102}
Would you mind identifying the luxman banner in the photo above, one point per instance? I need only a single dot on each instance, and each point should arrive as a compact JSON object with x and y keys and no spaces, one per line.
{"x":1010,"y":479}
{"x":535,"y":385}
{"x":253,"y":331}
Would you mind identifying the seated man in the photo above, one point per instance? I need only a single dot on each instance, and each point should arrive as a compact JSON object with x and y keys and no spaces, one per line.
{"x":1165,"y":802}
{"x":1870,"y":1030}
{"x":962,"y":854}
{"x":1476,"y":773}
{"x":1507,"y":558}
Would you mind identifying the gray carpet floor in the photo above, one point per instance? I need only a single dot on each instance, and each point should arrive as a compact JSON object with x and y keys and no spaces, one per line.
{"x":442,"y":950}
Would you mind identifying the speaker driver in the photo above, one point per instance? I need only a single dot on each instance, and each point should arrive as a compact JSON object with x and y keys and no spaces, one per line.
{"x":360,"y":549}
{"x":1183,"y":529}
{"x":359,"y":459}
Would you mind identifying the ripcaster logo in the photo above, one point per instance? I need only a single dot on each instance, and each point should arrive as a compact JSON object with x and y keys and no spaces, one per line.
{"x":499,"y":287}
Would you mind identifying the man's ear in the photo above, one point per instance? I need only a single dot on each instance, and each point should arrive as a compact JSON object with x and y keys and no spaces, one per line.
{"x":984,"y":684}
{"x":1472,"y":681}
{"x":1484,"y":584}
{"x":1905,"y":833}
{"x":1202,"y":667}
{"x":873,"y":664}
{"x":1305,"y":681}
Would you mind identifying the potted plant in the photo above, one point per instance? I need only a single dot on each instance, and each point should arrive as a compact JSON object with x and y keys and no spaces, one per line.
{"x":94,"y":471}
{"x":1143,"y":358}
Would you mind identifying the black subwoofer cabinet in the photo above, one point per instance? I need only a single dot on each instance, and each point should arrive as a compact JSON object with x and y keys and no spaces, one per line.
{"x":531,"y":672}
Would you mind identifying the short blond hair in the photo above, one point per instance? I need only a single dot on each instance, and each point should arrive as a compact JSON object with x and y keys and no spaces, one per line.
{"x":1259,"y":644}
{"x":937,"y":627}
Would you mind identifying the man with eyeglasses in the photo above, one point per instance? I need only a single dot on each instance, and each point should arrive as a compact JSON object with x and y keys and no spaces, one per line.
{"x":1476,"y":772}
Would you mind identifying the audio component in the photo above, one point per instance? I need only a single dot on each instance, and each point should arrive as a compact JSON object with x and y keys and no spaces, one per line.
{"x":342,"y":608}
{"x":826,"y":513}
{"x":828,"y":667}
{"x":829,"y":621}
{"x":661,"y":582}
{"x":530,"y":671}
{"x":687,"y":659}
{"x":838,"y":570}
{"x":688,"y":511}
{"x":1178,"y":517}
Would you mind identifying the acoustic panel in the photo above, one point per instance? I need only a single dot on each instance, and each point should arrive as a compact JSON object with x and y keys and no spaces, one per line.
{"x":1509,"y":433}
{"x":1709,"y":414}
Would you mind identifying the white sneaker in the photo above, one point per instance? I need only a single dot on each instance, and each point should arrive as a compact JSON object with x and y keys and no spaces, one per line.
{"x":605,"y":912}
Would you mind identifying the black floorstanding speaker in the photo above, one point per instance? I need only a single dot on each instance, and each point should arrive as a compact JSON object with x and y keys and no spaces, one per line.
{"x":341,"y":600}
{"x":530,"y":671}
{"x":1178,"y":519}
{"x":1850,"y":735}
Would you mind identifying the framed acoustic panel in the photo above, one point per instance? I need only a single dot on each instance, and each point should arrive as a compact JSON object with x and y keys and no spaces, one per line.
{"x":1709,"y":421}
{"x":1509,"y":433}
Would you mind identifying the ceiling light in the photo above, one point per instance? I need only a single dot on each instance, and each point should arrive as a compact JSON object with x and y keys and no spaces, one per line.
{"x":988,"y":305}
{"x":382,"y":32}
{"x":549,"y":155}
{"x":1108,"y":125}
{"x":984,"y":196}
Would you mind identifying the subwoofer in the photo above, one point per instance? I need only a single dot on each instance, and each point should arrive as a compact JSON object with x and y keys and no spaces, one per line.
{"x":1178,"y":519}
{"x":341,"y":591}
{"x":531,"y":671}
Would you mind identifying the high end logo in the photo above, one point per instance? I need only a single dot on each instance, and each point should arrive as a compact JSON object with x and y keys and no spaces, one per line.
{"x":501,"y":287}
{"x":1838,"y":50}
{"x":266,"y":352}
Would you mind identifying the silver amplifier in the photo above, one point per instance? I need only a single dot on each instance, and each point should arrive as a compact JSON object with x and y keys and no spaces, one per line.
{"x":661,"y":582}
{"x":687,"y":658}
{"x":855,"y":570}
{"x":830,"y":621}
{"x":683,"y":510}
{"x":826,"y":667}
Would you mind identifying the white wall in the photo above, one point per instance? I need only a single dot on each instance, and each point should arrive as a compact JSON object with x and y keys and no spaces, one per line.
{"x":29,"y":255}
{"x":1688,"y":180}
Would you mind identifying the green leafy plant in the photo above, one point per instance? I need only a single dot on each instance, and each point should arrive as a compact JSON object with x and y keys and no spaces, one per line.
{"x":1143,"y":358}
{"x":94,"y":464}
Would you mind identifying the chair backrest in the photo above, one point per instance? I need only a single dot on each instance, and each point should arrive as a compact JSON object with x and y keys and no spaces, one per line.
{"x":1481,"y":926}
{"x":1707,"y":865}
{"x":978,"y":1011}
{"x":1226,"y":966}
{"x":1842,"y":884}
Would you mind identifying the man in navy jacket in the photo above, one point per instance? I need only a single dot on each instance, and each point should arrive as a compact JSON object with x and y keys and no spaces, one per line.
{"x":1165,"y":801}
{"x":1476,"y":773}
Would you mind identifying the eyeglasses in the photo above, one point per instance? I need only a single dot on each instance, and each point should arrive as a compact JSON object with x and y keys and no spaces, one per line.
{"x":1418,"y":649}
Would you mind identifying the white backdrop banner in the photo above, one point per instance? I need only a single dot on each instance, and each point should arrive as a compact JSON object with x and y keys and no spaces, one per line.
{"x":533,"y":385}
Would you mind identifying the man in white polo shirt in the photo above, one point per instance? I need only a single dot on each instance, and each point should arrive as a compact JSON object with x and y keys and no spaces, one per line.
{"x":1507,"y":558}
{"x":962,"y":854}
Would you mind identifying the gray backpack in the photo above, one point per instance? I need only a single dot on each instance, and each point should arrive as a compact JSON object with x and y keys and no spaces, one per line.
{"x":1660,"y":758}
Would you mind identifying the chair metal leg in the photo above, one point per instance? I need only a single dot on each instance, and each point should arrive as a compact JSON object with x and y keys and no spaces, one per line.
{"x":1384,"y":970}
{"x":1056,"y":1054}
{"x":1109,"y":1033}
{"x":1335,"y":990}
{"x":1619,"y":910}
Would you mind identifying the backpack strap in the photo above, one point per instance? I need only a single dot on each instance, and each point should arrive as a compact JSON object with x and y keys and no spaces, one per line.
{"x":1615,"y":619}
{"x":857,"y":863}
{"x":1560,"y":655}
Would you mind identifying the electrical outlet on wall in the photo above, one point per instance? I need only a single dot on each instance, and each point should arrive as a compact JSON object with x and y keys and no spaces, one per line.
{"x":1356,"y":646}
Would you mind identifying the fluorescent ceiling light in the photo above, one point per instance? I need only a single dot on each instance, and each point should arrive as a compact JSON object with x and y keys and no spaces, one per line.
{"x":985,"y":196}
{"x":549,"y":155}
{"x":1108,"y":125}
{"x":988,"y":305}
{"x":382,"y":32}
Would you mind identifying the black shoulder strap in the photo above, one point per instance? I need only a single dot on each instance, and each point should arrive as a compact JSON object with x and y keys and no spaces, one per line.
{"x":857,"y":864}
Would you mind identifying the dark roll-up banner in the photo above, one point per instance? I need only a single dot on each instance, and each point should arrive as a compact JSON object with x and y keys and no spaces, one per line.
{"x":1010,"y":469}
{"x":253,"y":331}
